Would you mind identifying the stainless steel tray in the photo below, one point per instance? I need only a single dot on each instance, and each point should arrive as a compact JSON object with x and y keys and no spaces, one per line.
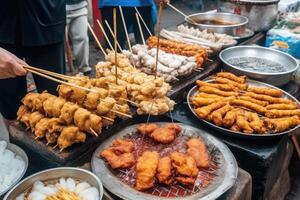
{"x":231,"y":133}
{"x":225,"y":178}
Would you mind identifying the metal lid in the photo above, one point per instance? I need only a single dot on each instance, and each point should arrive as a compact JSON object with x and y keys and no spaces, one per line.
{"x":254,"y":2}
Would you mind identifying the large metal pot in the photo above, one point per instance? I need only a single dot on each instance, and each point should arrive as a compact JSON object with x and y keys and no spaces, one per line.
{"x":262,"y":14}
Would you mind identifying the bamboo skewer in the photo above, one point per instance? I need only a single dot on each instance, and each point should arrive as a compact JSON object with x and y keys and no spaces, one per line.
{"x":112,"y":33}
{"x":95,"y":37}
{"x":138,"y":12}
{"x":125,"y":28}
{"x":158,"y":36}
{"x":94,"y":132}
{"x":105,"y":35}
{"x":180,"y":12}
{"x":140,"y":28}
{"x":107,"y":118}
{"x":115,"y":43}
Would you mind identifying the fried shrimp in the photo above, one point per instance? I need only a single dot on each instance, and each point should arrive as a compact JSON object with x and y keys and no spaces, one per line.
{"x":203,"y":112}
{"x":217,"y":115}
{"x":230,"y":76}
{"x":266,"y":91}
{"x":212,"y":90}
{"x":230,"y":118}
{"x":243,"y":124}
{"x":282,"y":124}
{"x":256,"y":123}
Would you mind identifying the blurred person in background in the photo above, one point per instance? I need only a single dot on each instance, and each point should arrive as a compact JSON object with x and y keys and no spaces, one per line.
{"x":77,"y":28}
{"x":146,"y":8}
{"x":33,"y":31}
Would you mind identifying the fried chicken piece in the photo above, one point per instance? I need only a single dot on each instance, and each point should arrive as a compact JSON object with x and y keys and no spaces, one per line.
{"x":147,"y":129}
{"x":208,"y":96}
{"x":235,"y":128}
{"x":48,"y":106}
{"x":28,"y":100}
{"x":58,"y":103}
{"x":266,"y":91}
{"x":203,"y":112}
{"x":185,"y":165}
{"x":52,"y":137}
{"x":282,"y":106}
{"x":38,"y":102}
{"x":230,"y":76}
{"x":223,"y":87}
{"x":105,"y":106}
{"x":282,"y":124}
{"x":252,"y":100}
{"x":197,"y":149}
{"x":212,"y":90}
{"x":34,"y":118}
{"x":201,"y":101}
{"x":243,"y":124}
{"x":146,"y":167}
{"x":67,"y":112}
{"x":41,"y":128}
{"x":78,"y":95}
{"x":185,"y":180}
{"x":217,"y":115}
{"x":94,"y":122}
{"x":230,"y":118}
{"x":257,"y":108}
{"x":54,"y":125}
{"x":166,"y":134}
{"x":80,"y":117}
{"x":122,"y":146}
{"x":282,"y":113}
{"x":221,"y":80}
{"x":21,"y":111}
{"x":69,"y":136}
{"x":65,"y":91}
{"x":269,"y":99}
{"x":256,"y":123}
{"x":92,"y":100}
{"x":164,"y":171}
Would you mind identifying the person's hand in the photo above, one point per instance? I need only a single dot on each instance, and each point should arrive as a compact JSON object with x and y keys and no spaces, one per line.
{"x":10,"y":65}
{"x":163,"y":1}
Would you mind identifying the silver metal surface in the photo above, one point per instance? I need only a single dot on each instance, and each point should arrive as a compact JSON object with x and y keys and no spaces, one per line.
{"x":225,"y":179}
{"x":231,"y":133}
{"x":18,"y":151}
{"x":262,"y":14}
{"x":282,"y":58}
{"x":53,"y":174}
{"x":233,"y":30}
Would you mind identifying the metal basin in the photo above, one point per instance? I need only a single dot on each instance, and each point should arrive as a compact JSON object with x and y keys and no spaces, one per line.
{"x":274,"y":78}
{"x":237,"y":22}
{"x":52,"y":174}
{"x":18,"y":151}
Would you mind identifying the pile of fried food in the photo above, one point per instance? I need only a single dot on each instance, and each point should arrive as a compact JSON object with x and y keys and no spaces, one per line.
{"x":230,"y":102}
{"x":148,"y":93}
{"x":152,"y":166}
{"x":180,"y":48}
{"x":169,"y":66}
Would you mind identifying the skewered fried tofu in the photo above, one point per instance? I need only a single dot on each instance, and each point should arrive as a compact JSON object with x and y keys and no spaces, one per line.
{"x":70,"y":135}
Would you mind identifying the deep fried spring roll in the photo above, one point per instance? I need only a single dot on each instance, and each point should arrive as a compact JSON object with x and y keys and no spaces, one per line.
{"x":270,"y":99}
{"x":217,"y":115}
{"x":243,"y":124}
{"x":230,"y":118}
{"x":235,"y":128}
{"x":252,"y":100}
{"x":206,"y":95}
{"x":203,"y":112}
{"x":200,"y":101}
{"x":221,"y":80}
{"x":282,"y":113}
{"x":211,"y":90}
{"x":223,"y":87}
{"x":282,"y":124}
{"x":281,"y":107}
{"x":257,"y":108}
{"x":230,"y":76}
{"x":266,"y":91}
{"x":256,"y":123}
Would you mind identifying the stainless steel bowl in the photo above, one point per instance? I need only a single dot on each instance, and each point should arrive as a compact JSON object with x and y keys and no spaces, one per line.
{"x":238,"y":27}
{"x":55,"y":173}
{"x":277,"y":79}
{"x":18,"y":151}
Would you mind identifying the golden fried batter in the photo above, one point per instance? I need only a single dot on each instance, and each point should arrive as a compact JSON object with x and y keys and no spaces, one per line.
{"x":221,"y":80}
{"x":212,"y":90}
{"x":282,"y":107}
{"x":270,"y":99}
{"x":230,"y":76}
{"x":122,"y":146}
{"x":243,"y":124}
{"x":200,"y":101}
{"x":197,"y":149}
{"x":34,"y":118}
{"x":235,"y":128}
{"x":203,"y":112}
{"x":257,"y":108}
{"x":146,"y":167}
{"x":223,"y":87}
{"x":255,"y":122}
{"x":185,"y":180}
{"x":282,"y":113}
{"x":80,"y":117}
{"x":166,"y":134}
{"x":92,"y":100}
{"x":147,"y":129}
{"x":217,"y":115}
{"x":282,"y":124}
{"x":70,"y":135}
{"x":164,"y":171}
{"x":28,"y":100}
{"x":185,"y":165}
{"x":230,"y":118}
{"x":252,"y":100}
{"x":41,"y":128}
{"x":266,"y":91}
{"x":54,"y":125}
{"x":67,"y":112}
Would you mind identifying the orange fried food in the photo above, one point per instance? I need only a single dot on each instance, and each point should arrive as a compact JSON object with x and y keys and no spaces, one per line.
{"x":222,"y":80}
{"x":164,"y":170}
{"x":255,"y":122}
{"x":201,"y":101}
{"x":28,"y":100}
{"x":146,"y":167}
{"x":268,"y":98}
{"x":266,"y":91}
{"x":207,"y":95}
{"x":252,"y":100}
{"x":147,"y":129}
{"x":185,"y":165}
{"x":282,"y":106}
{"x":282,"y":113}
{"x":257,"y":108}
{"x":243,"y":124}
{"x":41,"y":128}
{"x":197,"y":149}
{"x":121,"y":161}
{"x":119,"y":155}
{"x":67,"y":112}
{"x":212,"y":90}
{"x":224,"y":87}
{"x":185,"y":180}
{"x":166,"y":134}
{"x":70,"y":135}
{"x":203,"y":112}
{"x":34,"y":118}
{"x":230,"y":76}
{"x":282,"y":124}
{"x":217,"y":115}
{"x":235,"y":128}
{"x":230,"y":118}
